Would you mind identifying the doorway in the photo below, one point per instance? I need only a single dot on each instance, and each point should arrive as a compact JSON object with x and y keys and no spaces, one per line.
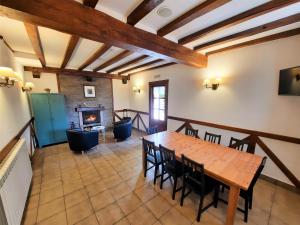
{"x":158,"y":104}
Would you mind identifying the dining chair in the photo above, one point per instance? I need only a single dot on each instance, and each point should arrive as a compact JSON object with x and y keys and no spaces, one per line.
{"x":170,"y":166}
{"x":247,"y":195}
{"x":152,"y":130}
{"x":214,"y":138}
{"x":152,"y":156}
{"x":195,"y":180}
{"x":191,"y":132}
{"x":238,"y":144}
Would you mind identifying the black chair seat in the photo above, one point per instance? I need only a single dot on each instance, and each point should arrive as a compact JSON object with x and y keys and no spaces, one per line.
{"x":210,"y":185}
{"x":174,"y":168}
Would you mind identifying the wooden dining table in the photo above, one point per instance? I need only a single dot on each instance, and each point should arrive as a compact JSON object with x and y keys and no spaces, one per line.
{"x":229,"y":166}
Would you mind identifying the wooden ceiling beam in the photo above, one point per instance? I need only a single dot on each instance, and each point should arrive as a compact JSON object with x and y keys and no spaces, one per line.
{"x":70,"y":49}
{"x":113,"y":60}
{"x":136,"y":60}
{"x":98,"y":26}
{"x":250,"y":32}
{"x":35,"y":39}
{"x":142,"y":65}
{"x":192,"y":14}
{"x":72,"y":72}
{"x":242,"y":17}
{"x":74,"y":38}
{"x":153,"y":68}
{"x":142,"y":10}
{"x":280,"y":35}
{"x":95,"y":56}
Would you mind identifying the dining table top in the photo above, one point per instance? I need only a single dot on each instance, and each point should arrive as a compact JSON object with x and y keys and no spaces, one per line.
{"x":230,"y":166}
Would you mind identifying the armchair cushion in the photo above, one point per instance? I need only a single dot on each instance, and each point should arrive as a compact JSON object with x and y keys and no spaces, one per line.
{"x":80,"y":140}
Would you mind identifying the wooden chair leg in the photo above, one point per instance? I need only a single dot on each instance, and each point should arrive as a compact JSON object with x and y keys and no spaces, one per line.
{"x":155,"y":172}
{"x":246,"y":210}
{"x":162,"y":178}
{"x":250,"y":201}
{"x":182,"y":195}
{"x":200,"y":208}
{"x":174,"y":188}
{"x":145,"y":169}
{"x":216,"y":196}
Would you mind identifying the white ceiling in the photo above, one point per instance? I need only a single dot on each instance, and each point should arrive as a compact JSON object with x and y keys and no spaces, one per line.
{"x":55,"y":43}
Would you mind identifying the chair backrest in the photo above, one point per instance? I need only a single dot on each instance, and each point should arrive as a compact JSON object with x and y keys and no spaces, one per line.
{"x":191,"y":132}
{"x":214,"y":138}
{"x":166,"y":154}
{"x":150,"y":149}
{"x":193,"y":171}
{"x":151,"y":130}
{"x":257,"y":174}
{"x":238,"y":144}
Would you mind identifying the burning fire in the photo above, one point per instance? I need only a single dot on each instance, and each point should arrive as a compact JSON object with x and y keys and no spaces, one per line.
{"x":90,"y":118}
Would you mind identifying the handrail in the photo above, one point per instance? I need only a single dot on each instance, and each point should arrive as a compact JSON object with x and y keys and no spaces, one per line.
{"x":254,"y":138}
{"x":9,"y":146}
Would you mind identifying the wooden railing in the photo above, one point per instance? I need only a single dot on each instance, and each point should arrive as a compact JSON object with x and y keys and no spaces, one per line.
{"x":9,"y":146}
{"x":254,"y":138}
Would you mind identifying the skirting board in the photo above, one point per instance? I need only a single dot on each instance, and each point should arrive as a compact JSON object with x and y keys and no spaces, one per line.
{"x":280,"y":183}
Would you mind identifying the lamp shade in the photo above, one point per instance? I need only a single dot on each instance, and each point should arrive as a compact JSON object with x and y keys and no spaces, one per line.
{"x":29,"y":85}
{"x":6,"y":72}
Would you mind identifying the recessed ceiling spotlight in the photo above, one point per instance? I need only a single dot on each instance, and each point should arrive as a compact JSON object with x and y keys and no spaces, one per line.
{"x":164,"y":11}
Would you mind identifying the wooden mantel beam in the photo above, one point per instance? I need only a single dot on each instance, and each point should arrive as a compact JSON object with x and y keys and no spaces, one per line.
{"x":35,"y":39}
{"x":142,"y":10}
{"x":95,"y":25}
{"x":72,"y":72}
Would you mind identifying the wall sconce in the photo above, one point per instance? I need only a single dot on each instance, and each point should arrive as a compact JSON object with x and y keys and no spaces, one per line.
{"x":9,"y":77}
{"x":28,"y":86}
{"x":136,"y":89}
{"x":212,"y":83}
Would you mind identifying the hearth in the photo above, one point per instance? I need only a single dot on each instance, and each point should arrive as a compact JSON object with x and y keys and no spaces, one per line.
{"x":89,"y":116}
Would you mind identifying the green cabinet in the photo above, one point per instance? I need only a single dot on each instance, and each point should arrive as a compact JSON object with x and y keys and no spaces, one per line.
{"x":50,"y":118}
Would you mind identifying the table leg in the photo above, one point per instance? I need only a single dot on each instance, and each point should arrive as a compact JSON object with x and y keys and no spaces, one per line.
{"x":234,"y":194}
{"x":143,"y":159}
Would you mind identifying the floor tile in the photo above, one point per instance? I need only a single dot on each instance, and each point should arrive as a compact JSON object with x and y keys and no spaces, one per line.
{"x":146,"y":192}
{"x":174,"y":217}
{"x":50,"y":209}
{"x":141,"y":215}
{"x":129,"y":203}
{"x":102,"y":200}
{"x":60,"y":218}
{"x":91,"y":220}
{"x":158,"y":206}
{"x":110,"y":214}
{"x":75,"y":197}
{"x":79,"y":212}
{"x":51,"y":194}
{"x":120,"y":190}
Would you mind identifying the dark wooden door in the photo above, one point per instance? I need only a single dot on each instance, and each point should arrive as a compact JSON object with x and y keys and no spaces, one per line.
{"x":158,"y":104}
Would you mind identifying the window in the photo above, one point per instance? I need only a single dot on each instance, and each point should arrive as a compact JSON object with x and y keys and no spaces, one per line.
{"x":159,"y":103}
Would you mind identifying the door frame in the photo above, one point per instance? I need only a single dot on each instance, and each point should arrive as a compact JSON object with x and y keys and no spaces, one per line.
{"x":154,"y":84}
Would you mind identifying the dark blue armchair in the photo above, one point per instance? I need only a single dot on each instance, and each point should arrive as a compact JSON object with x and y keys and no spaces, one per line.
{"x":80,"y":140}
{"x":122,"y":129}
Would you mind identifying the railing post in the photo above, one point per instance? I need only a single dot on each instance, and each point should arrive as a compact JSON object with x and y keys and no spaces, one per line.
{"x":138,"y":121}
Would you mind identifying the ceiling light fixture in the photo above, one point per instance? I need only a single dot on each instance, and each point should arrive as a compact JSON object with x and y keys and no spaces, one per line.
{"x":9,"y":77}
{"x":164,"y":12}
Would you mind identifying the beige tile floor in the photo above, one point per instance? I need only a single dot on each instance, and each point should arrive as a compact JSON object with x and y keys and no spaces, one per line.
{"x":106,"y":186}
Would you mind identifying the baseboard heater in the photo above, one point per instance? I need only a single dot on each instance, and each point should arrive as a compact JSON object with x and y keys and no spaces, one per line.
{"x":15,"y":179}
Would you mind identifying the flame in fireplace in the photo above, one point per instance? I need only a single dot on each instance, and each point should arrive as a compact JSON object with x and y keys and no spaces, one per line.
{"x":90,"y":118}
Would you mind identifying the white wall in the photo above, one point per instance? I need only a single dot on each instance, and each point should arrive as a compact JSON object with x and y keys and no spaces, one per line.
{"x":14,"y":111}
{"x":120,"y":95}
{"x":47,"y":80}
{"x":247,"y":97}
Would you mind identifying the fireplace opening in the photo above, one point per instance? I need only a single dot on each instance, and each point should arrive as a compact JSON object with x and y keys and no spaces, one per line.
{"x":91,"y":117}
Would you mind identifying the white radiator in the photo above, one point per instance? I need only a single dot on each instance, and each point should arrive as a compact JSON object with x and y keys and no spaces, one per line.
{"x":15,"y":179}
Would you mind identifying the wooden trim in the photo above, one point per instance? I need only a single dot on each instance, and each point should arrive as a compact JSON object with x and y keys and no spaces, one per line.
{"x":58,"y":83}
{"x":35,"y":39}
{"x":142,"y":65}
{"x":72,"y":72}
{"x":116,"y":115}
{"x":192,"y":14}
{"x":153,"y":68}
{"x":112,"y":95}
{"x":97,"y":26}
{"x":8,"y":147}
{"x":143,"y":123}
{"x":7,"y":45}
{"x":136,"y":60}
{"x":278,"y":163}
{"x":113,"y":60}
{"x":280,"y":183}
{"x":95,"y":56}
{"x":273,"y":37}
{"x":242,"y":17}
{"x":70,"y":49}
{"x":142,"y":10}
{"x":250,"y":32}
